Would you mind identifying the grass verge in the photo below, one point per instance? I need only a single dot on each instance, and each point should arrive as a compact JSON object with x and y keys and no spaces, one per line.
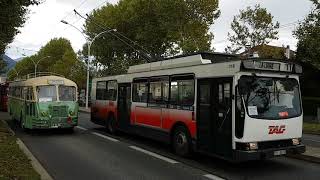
{"x":14,"y":164}
{"x":311,"y":128}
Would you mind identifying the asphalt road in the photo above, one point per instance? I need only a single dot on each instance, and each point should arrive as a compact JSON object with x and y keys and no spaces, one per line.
{"x":311,"y":140}
{"x":90,"y":153}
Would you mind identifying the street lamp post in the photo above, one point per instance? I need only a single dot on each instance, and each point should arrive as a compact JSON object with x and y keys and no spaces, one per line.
{"x":36,"y":64}
{"x":89,"y":55}
{"x":16,"y":72}
{"x":89,"y":43}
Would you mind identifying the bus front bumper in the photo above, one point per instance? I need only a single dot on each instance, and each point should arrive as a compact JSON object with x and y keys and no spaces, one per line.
{"x":240,"y":155}
{"x":52,"y":123}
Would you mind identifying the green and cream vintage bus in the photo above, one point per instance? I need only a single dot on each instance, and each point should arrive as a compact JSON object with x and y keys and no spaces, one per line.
{"x":44,"y":102}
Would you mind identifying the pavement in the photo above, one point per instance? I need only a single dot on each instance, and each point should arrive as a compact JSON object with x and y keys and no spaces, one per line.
{"x":91,"y":153}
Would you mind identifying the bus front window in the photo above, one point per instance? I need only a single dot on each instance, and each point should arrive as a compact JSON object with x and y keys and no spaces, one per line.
{"x":46,"y":93}
{"x":270,"y":98}
{"x":67,"y":93}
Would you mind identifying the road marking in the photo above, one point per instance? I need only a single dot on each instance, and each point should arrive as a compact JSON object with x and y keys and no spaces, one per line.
{"x":303,"y":139}
{"x":214,"y":177}
{"x":106,"y":137}
{"x":154,"y":155}
{"x":82,"y":128}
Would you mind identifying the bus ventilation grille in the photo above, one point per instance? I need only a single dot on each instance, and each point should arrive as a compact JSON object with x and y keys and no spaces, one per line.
{"x":59,"y":111}
{"x":274,"y":144}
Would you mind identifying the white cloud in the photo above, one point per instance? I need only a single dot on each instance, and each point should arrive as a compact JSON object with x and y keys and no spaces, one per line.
{"x":284,"y":11}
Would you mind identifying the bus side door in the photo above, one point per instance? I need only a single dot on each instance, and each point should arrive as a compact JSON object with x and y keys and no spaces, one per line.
{"x":214,"y":116}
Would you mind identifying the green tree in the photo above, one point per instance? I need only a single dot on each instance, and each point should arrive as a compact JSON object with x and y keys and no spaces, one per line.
{"x":56,"y":56}
{"x":252,"y":27}
{"x":162,"y":27}
{"x":308,"y":35}
{"x":12,"y":17}
{"x":2,"y":65}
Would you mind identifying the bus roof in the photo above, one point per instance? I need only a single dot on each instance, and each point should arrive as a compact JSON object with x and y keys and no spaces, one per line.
{"x":205,"y":65}
{"x":44,"y":80}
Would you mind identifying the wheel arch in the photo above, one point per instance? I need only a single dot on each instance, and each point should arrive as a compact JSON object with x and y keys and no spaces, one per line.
{"x":175,"y":126}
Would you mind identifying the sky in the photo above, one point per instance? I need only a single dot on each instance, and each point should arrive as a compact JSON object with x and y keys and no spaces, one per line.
{"x":43,"y":22}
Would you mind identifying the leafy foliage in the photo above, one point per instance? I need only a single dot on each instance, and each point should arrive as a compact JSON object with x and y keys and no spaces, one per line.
{"x":12,"y":16}
{"x":272,"y":52}
{"x":162,"y":27}
{"x":308,"y":35}
{"x":252,"y":27}
{"x":56,"y":56}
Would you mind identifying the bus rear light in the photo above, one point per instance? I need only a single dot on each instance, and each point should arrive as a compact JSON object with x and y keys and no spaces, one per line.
{"x":295,"y":141}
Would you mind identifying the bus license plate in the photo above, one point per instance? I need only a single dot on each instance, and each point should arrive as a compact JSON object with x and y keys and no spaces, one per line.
{"x":280,"y":152}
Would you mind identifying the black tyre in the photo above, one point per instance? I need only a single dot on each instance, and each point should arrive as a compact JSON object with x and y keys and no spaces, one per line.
{"x":181,"y":141}
{"x":111,"y":125}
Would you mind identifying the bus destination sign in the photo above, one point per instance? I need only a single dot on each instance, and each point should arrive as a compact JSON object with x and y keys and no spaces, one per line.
{"x":267,"y":65}
{"x":55,"y":82}
{"x":272,"y":66}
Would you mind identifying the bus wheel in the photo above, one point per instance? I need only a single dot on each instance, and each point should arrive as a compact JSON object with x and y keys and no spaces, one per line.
{"x":111,"y":125}
{"x":181,"y":141}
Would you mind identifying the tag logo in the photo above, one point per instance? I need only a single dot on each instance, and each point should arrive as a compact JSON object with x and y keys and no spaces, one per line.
{"x":277,"y":129}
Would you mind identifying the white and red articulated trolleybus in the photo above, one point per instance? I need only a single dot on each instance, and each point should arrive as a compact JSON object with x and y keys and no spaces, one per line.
{"x":212,"y":103}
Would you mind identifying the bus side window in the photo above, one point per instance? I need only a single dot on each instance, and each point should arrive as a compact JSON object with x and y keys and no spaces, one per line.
{"x":101,"y":90}
{"x":111,"y":91}
{"x":29,"y":94}
{"x":159,"y":90}
{"x":182,"y":90}
{"x":25,"y":91}
{"x":140,"y":91}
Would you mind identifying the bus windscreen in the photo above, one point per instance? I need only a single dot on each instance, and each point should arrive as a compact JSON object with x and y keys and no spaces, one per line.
{"x":270,"y":98}
{"x":67,"y":93}
{"x":46,"y":93}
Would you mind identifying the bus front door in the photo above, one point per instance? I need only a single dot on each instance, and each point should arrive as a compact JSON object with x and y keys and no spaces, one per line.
{"x":124,"y":105}
{"x":214,"y":128}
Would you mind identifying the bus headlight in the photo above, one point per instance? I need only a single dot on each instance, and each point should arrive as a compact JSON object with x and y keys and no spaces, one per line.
{"x":295,"y":141}
{"x":253,"y":146}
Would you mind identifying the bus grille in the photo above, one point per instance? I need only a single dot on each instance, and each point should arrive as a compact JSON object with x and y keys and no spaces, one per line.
{"x":59,"y":111}
{"x":275,"y":144}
